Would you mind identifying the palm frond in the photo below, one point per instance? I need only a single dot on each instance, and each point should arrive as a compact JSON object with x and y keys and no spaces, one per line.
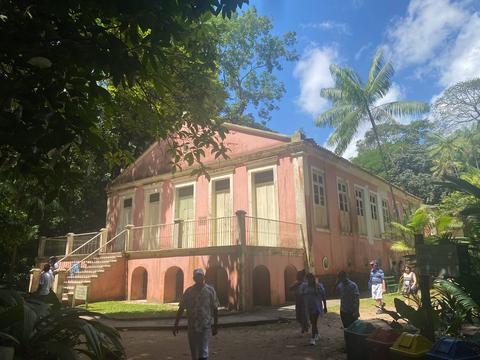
{"x":458,"y":294}
{"x":377,"y":65}
{"x":345,"y":131}
{"x":402,"y":228}
{"x":349,"y":83}
{"x":405,"y":108}
{"x":379,"y":78}
{"x":401,"y":246}
{"x":332,"y":94}
{"x":461,"y":185}
{"x":332,"y":115}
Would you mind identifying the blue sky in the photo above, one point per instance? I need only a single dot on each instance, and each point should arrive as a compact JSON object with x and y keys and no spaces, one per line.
{"x":432,"y":44}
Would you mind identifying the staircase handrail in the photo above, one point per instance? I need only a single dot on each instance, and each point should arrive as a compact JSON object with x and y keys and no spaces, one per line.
{"x":81,"y":246}
{"x":99,"y":248}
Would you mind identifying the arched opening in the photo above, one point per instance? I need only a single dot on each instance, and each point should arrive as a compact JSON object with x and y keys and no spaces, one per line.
{"x":217,"y":277}
{"x":138,"y":289}
{"x":173,"y":285}
{"x":261,"y":286}
{"x":290,"y":275}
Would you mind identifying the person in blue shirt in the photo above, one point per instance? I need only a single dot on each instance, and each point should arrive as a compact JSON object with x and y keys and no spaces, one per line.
{"x":377,"y":285}
{"x":315,"y":301}
{"x":349,"y":299}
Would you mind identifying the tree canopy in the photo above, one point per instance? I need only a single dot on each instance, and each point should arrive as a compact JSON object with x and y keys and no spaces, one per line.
{"x":459,"y":106}
{"x":249,"y":55}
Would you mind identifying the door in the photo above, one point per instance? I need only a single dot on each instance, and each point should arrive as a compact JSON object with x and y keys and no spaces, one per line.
{"x":265,"y":209}
{"x":184,"y":211}
{"x":151,"y":234}
{"x":125,"y":218}
{"x":221,"y":213}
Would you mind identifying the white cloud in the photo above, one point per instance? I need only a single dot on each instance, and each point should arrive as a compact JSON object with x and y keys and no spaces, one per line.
{"x":360,"y":51}
{"x":439,"y":37}
{"x":313,"y":73}
{"x":328,"y":25}
{"x":463,"y":61}
{"x":418,"y":36}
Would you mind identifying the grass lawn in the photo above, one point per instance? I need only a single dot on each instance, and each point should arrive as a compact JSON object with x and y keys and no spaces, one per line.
{"x":367,"y":304}
{"x":132,"y":310}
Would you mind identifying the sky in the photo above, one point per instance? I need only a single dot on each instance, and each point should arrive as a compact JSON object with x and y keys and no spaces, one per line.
{"x":431,"y":43}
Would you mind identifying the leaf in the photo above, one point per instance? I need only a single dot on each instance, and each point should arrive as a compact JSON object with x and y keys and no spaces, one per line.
{"x":40,"y":62}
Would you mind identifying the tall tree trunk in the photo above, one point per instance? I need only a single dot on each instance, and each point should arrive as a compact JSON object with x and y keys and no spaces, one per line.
{"x":384,"y":161}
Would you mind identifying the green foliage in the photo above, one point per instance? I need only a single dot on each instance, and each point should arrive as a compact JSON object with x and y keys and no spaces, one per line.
{"x":454,"y":306}
{"x":249,"y":56}
{"x":43,"y":330}
{"x":86,"y":88}
{"x":438,"y":227}
{"x":415,"y":318}
{"x":410,"y":166}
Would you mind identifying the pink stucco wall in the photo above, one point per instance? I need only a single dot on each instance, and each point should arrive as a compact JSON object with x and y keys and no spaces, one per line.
{"x":349,"y":252}
{"x":276,"y":265}
{"x":157,"y":268}
{"x":110,"y":284}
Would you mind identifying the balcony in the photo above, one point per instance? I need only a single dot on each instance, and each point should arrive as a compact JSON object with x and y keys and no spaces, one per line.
{"x":182,"y":237}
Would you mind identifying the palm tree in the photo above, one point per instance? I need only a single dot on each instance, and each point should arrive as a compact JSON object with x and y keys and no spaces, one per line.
{"x":355,"y":103}
{"x":445,"y":152}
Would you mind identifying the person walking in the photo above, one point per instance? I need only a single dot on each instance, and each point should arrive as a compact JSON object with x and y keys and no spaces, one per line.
{"x":377,"y":285}
{"x":315,"y":301}
{"x":300,"y":313}
{"x":46,"y":281}
{"x":409,"y":287}
{"x":349,"y":299}
{"x":201,"y":303}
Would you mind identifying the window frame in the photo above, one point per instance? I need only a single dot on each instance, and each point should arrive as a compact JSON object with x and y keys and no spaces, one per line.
{"x":319,"y":172}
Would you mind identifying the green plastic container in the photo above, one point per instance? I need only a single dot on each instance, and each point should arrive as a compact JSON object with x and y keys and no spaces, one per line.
{"x":379,"y":343}
{"x":355,"y":339}
{"x":410,"y":346}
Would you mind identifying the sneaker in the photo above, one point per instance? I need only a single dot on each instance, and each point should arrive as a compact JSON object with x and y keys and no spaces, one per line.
{"x":313,"y":341}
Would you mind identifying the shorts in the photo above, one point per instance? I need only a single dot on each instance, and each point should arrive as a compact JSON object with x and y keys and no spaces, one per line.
{"x":377,"y":291}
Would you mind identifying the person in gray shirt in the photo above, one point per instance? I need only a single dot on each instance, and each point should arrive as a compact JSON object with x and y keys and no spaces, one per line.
{"x":46,"y":281}
{"x":349,"y":299}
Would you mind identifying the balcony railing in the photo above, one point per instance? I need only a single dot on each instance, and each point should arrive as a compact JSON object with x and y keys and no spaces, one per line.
{"x":182,"y":234}
{"x":58,"y":246}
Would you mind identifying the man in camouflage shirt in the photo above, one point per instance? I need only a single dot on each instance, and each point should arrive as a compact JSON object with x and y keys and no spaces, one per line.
{"x":201,"y":303}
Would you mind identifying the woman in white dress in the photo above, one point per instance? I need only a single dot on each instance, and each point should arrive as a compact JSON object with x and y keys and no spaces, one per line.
{"x":410,"y":285}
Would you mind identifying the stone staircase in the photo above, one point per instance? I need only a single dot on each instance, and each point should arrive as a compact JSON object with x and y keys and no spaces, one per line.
{"x":93,"y":268}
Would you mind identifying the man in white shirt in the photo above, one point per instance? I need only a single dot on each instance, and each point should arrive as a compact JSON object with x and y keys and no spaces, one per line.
{"x":201,"y":303}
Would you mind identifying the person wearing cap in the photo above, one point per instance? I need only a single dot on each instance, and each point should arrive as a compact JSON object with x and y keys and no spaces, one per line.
{"x":201,"y":303}
{"x":377,"y":283}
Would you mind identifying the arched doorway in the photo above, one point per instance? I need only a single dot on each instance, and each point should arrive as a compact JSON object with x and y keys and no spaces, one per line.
{"x":138,"y":289}
{"x":173,"y":285}
{"x":217,"y":277}
{"x":290,"y":276}
{"x":261,"y":286}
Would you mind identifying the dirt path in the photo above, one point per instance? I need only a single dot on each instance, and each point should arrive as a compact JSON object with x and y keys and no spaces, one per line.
{"x":272,"y":342}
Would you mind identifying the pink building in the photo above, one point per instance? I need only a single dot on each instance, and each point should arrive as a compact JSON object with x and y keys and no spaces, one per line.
{"x":277,"y":205}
